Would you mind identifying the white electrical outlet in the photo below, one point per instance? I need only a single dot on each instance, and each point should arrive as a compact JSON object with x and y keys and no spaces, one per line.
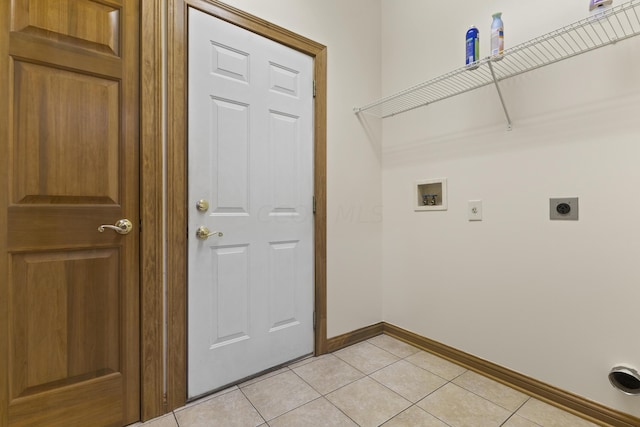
{"x":475,"y":210}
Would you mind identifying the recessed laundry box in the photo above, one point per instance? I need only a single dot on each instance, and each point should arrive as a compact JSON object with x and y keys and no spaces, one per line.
{"x":625,"y":379}
{"x":430,"y":195}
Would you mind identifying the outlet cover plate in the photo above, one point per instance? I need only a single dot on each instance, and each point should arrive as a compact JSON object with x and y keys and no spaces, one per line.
{"x":564,"y":208}
{"x":474,"y":210}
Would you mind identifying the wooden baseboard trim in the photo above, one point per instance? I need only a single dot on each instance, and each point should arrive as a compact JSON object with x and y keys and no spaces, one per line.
{"x":350,"y":338}
{"x":567,"y":401}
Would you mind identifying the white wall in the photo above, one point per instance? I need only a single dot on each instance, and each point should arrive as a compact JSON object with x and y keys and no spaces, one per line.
{"x":351,"y":32}
{"x":554,"y":300}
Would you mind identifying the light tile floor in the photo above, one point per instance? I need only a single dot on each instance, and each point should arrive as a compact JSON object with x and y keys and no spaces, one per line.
{"x":379,"y":382}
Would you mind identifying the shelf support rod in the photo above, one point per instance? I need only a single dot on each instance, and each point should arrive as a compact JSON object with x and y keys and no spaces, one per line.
{"x":504,"y":107}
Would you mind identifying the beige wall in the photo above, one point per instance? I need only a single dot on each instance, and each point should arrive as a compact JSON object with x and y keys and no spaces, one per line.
{"x":351,"y":32}
{"x":554,"y":300}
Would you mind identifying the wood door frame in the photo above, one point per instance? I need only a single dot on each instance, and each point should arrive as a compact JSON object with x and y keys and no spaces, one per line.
{"x":156,"y":367}
{"x":152,"y":301}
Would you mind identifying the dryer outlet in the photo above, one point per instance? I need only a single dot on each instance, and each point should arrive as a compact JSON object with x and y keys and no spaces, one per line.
{"x":565,"y":208}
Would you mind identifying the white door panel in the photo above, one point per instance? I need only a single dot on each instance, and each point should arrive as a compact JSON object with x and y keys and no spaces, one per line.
{"x":251,"y":157}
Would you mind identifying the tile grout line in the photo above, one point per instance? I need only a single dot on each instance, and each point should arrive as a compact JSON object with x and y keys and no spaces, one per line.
{"x":516,"y":411}
{"x":288,"y":368}
{"x":413,"y":364}
{"x":471,"y":391}
{"x":293,"y":409}
{"x":367,"y":374}
{"x":489,"y":400}
{"x":449,"y":381}
{"x":253,"y":406}
{"x":324,"y":396}
{"x":320,"y":396}
{"x":421,"y":409}
{"x":400,"y":358}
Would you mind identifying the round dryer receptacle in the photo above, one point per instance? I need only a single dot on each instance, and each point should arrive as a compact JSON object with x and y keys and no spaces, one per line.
{"x":625,"y":379}
{"x":563,"y":208}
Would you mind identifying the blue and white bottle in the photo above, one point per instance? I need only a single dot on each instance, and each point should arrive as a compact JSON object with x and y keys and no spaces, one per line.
{"x":473,"y":48}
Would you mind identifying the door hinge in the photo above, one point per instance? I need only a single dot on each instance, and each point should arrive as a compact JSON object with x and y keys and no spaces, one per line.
{"x":314,"y":320}
{"x":314,"y":204}
{"x":314,"y":88}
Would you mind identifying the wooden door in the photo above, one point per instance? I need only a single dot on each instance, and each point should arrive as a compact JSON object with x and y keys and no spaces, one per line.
{"x":251,"y":158}
{"x":69,"y":294}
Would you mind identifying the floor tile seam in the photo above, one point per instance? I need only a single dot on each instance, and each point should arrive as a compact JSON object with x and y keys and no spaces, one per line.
{"x":395,"y":415}
{"x":317,"y":359}
{"x":344,"y":385}
{"x":389,"y":351}
{"x":380,"y":369}
{"x":360,"y":370}
{"x":533,"y":421}
{"x":175,"y":418}
{"x":340,"y":360}
{"x":471,"y":391}
{"x":311,"y":401}
{"x":329,"y":392}
{"x":264,"y":377}
{"x":308,"y":359}
{"x":393,"y":391}
{"x":470,"y":370}
{"x":488,"y":400}
{"x":451,"y":425}
{"x":253,"y":406}
{"x":292,"y":409}
{"x":360,"y":379}
{"x":424,"y":410}
{"x":361,"y":344}
{"x":451,"y":382}
{"x":430,"y":395}
{"x":515,"y":413}
{"x":438,"y":375}
{"x":207,"y":397}
{"x":344,"y":413}
{"x":412,"y":403}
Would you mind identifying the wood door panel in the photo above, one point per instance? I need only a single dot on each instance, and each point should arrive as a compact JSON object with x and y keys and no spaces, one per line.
{"x":64,"y":318}
{"x":98,"y":400}
{"x":61,"y":227}
{"x":49,"y":51}
{"x":66,"y":134}
{"x":84,"y":23}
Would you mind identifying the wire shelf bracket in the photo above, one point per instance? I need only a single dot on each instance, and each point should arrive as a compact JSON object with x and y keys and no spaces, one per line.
{"x":608,"y":27}
{"x":504,"y":106}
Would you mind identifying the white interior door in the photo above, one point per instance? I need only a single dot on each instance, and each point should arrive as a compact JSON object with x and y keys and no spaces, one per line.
{"x":251,"y":158}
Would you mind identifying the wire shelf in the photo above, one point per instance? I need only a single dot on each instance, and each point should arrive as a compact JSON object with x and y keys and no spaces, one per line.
{"x":610,"y":26}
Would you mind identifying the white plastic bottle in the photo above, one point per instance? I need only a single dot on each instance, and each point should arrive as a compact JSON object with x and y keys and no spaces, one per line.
{"x":598,"y":7}
{"x":497,"y":37}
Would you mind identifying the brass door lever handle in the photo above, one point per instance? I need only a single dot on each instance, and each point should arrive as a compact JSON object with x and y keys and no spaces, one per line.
{"x":203,"y":233}
{"x":122,"y":226}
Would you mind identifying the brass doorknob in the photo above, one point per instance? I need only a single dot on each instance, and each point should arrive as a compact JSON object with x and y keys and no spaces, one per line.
{"x":203,"y":233}
{"x":202,"y":205}
{"x":122,"y":226}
